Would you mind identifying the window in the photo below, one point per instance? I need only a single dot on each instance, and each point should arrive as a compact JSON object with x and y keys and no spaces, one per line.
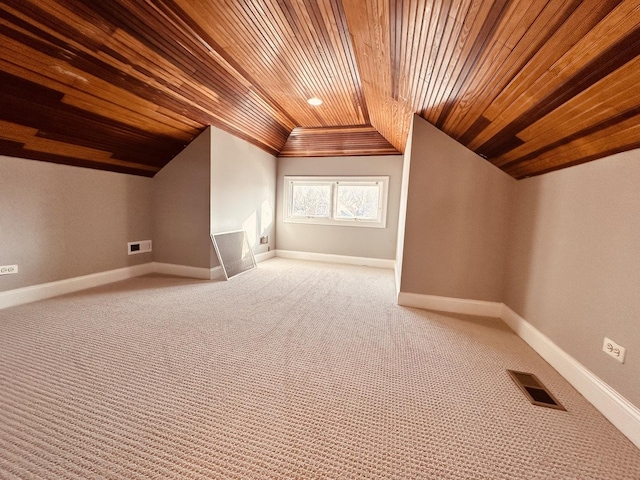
{"x":350,"y":201}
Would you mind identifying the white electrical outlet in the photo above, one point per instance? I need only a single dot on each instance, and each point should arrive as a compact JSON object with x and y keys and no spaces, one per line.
{"x":613,"y":349}
{"x":134,"y":248}
{"x":8,"y":269}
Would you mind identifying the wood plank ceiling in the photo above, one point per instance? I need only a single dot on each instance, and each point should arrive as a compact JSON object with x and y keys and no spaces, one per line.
{"x":124,"y":85}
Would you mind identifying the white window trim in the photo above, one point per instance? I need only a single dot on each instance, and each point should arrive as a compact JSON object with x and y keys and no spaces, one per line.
{"x":383,"y":181}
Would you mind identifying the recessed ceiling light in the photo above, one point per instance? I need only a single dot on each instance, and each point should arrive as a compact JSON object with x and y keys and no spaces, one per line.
{"x":314,"y":101}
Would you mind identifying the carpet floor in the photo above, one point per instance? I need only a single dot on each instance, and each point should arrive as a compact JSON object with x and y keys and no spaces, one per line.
{"x":293,"y":370}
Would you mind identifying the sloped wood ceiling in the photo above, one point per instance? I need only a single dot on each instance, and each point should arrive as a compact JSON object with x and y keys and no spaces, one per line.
{"x":124,"y":85}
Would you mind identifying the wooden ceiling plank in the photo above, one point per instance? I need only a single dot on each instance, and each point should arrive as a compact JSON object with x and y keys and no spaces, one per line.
{"x":29,"y":111}
{"x":456,"y":34}
{"x":315,"y":30}
{"x":610,"y":31}
{"x":371,"y":46}
{"x":397,"y":11}
{"x":492,"y":61}
{"x":322,"y":13}
{"x":336,"y":141}
{"x":128,"y":17}
{"x":232,"y":67}
{"x":23,"y":52}
{"x":339,"y":79}
{"x":349,"y":53}
{"x":17,"y":150}
{"x":534,"y":82}
{"x":586,"y":15}
{"x":341,"y":50}
{"x":53,"y":21}
{"x":583,"y":115}
{"x":593,"y":146}
{"x":535,"y":151}
{"x":223,"y":85}
{"x":232,"y":96}
{"x":139,"y":119}
{"x":447,"y":58}
{"x":515,"y":120}
{"x":40,"y":144}
{"x":490,"y":16}
{"x":289,"y":58}
{"x":433,"y":42}
{"x":541,"y":18}
{"x":605,"y":35}
{"x":418,"y":50}
{"x":16,"y":132}
{"x":318,"y":42}
{"x":591,"y":73}
{"x":410,"y":36}
{"x":530,"y":84}
{"x":613,"y":94}
{"x":602,"y":139}
{"x":39,"y":70}
{"x":138,"y":60}
{"x":305,"y":63}
{"x":215,"y":97}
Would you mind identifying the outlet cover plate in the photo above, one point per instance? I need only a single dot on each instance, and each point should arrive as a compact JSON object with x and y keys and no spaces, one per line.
{"x":612,"y":348}
{"x":143,"y":246}
{"x":8,"y":269}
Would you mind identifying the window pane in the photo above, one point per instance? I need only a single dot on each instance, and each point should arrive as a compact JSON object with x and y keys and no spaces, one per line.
{"x":358,"y":201}
{"x":310,"y":200}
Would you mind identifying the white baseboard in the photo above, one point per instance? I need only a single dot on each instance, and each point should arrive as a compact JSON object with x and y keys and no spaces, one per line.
{"x":261,"y":257}
{"x":450,"y":304}
{"x":618,"y":410}
{"x":329,"y":258}
{"x":200,"y":273}
{"x":34,"y":293}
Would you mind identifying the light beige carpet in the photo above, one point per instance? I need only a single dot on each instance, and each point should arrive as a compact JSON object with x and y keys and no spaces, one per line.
{"x":294,"y":370}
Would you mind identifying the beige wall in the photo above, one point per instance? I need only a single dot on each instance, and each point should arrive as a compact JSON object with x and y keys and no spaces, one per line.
{"x":457,"y":222}
{"x":181,"y":198}
{"x":243,"y":189}
{"x":402,"y":208}
{"x":218,"y":183}
{"x":341,"y":240}
{"x":574,"y":265}
{"x":59,"y":222}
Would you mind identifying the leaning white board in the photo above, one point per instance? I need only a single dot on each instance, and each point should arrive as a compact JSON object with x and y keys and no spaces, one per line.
{"x":234,"y":252}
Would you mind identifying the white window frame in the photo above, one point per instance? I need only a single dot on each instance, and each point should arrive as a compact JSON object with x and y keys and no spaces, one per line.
{"x":381,"y":181}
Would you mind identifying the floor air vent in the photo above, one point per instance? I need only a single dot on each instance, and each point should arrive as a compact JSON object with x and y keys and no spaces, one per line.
{"x":534,"y":390}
